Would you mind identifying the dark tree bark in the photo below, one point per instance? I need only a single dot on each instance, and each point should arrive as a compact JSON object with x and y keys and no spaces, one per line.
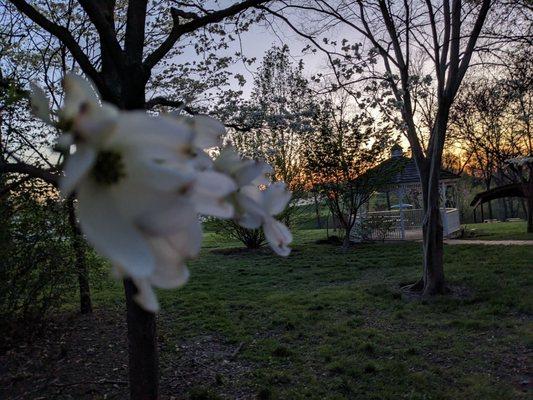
{"x":527,"y":188}
{"x":142,"y":348}
{"x":317,"y":210}
{"x":529,"y":214}
{"x":432,"y":229}
{"x":80,"y":260}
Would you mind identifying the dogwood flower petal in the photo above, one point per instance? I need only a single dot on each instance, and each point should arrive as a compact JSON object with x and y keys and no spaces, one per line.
{"x":76,"y":168}
{"x":179,"y":215}
{"x":80,"y":98}
{"x":278,"y":236}
{"x":250,"y":171}
{"x":208,"y":132}
{"x":111,"y":234}
{"x":145,"y":295}
{"x":215,"y":184}
{"x":40,"y":106}
{"x":275,"y":198}
{"x":171,"y":272}
{"x":187,"y":242}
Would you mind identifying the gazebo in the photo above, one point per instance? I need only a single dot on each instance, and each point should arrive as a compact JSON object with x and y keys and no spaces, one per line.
{"x":403,"y":219}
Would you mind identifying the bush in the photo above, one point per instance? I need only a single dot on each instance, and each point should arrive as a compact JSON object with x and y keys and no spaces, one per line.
{"x":251,"y":238}
{"x":36,"y":260}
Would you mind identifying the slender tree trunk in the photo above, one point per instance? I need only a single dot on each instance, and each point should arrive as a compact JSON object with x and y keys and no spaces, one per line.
{"x":317,"y":211}
{"x":433,"y":278}
{"x":505,"y":211}
{"x":530,"y":214}
{"x":528,"y":191}
{"x":433,"y":282}
{"x":80,"y":260}
{"x":142,"y":348}
{"x":346,"y":240}
{"x":126,"y":90}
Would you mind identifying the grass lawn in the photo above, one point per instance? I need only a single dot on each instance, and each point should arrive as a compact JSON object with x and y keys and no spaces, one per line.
{"x":324,"y":324}
{"x":321,"y":324}
{"x":500,"y":231}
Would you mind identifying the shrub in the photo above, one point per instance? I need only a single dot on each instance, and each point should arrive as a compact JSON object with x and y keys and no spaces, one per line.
{"x":36,"y":260}
{"x":251,"y":238}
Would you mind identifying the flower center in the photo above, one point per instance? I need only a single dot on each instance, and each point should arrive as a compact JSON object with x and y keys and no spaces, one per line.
{"x":108,"y":168}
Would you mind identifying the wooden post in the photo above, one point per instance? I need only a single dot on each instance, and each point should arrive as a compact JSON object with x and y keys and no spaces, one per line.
{"x":443,"y":208}
{"x":402,"y":221}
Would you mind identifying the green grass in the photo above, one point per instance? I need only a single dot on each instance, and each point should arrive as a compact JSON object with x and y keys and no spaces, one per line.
{"x":500,"y":231}
{"x":324,"y":324}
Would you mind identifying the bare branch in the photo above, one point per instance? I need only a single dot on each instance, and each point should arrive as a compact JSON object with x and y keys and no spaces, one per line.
{"x":64,"y":36}
{"x":49,"y":176}
{"x":179,"y":30}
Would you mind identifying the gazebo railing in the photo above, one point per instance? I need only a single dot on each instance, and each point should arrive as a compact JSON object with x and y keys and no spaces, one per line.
{"x":399,"y":224}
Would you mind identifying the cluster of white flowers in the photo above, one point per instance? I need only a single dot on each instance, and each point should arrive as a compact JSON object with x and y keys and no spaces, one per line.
{"x":142,"y":181}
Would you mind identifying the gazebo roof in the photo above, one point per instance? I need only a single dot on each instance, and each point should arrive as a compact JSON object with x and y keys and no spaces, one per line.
{"x":407,"y":169}
{"x":409,"y":172}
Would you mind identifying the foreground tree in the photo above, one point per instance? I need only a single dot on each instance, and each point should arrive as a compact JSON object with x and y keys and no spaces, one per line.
{"x":120,"y":67}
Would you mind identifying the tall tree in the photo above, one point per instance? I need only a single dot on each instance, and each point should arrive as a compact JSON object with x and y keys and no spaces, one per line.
{"x":277,"y":116}
{"x":121,"y":65}
{"x":341,"y":156}
{"x":404,"y":38}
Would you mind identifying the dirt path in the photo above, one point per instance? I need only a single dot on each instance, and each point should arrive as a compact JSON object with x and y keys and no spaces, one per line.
{"x":490,"y":242}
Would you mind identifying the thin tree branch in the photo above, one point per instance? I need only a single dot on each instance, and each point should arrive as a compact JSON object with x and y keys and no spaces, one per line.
{"x":179,"y":30}
{"x":64,"y":36}
{"x":49,"y":176}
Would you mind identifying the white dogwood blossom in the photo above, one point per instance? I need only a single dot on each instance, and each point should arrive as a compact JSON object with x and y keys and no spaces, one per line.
{"x":257,"y":201}
{"x":141,"y":181}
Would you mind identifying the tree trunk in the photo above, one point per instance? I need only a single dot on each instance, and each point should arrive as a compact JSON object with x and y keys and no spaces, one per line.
{"x":530,"y":214}
{"x":505,"y":210}
{"x":81,"y":266}
{"x":433,"y":253}
{"x":528,"y":191}
{"x":346,"y":240}
{"x":433,"y":278}
{"x":489,"y":205}
{"x":317,"y":211}
{"x":142,"y":348}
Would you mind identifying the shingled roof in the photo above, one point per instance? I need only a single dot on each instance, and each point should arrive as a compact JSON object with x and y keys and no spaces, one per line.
{"x":408,"y":171}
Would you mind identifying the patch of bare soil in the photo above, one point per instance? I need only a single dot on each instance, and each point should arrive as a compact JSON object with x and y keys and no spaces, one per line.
{"x":455,"y":292}
{"x":206,"y":362}
{"x":85,"y":357}
{"x":76,"y":357}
